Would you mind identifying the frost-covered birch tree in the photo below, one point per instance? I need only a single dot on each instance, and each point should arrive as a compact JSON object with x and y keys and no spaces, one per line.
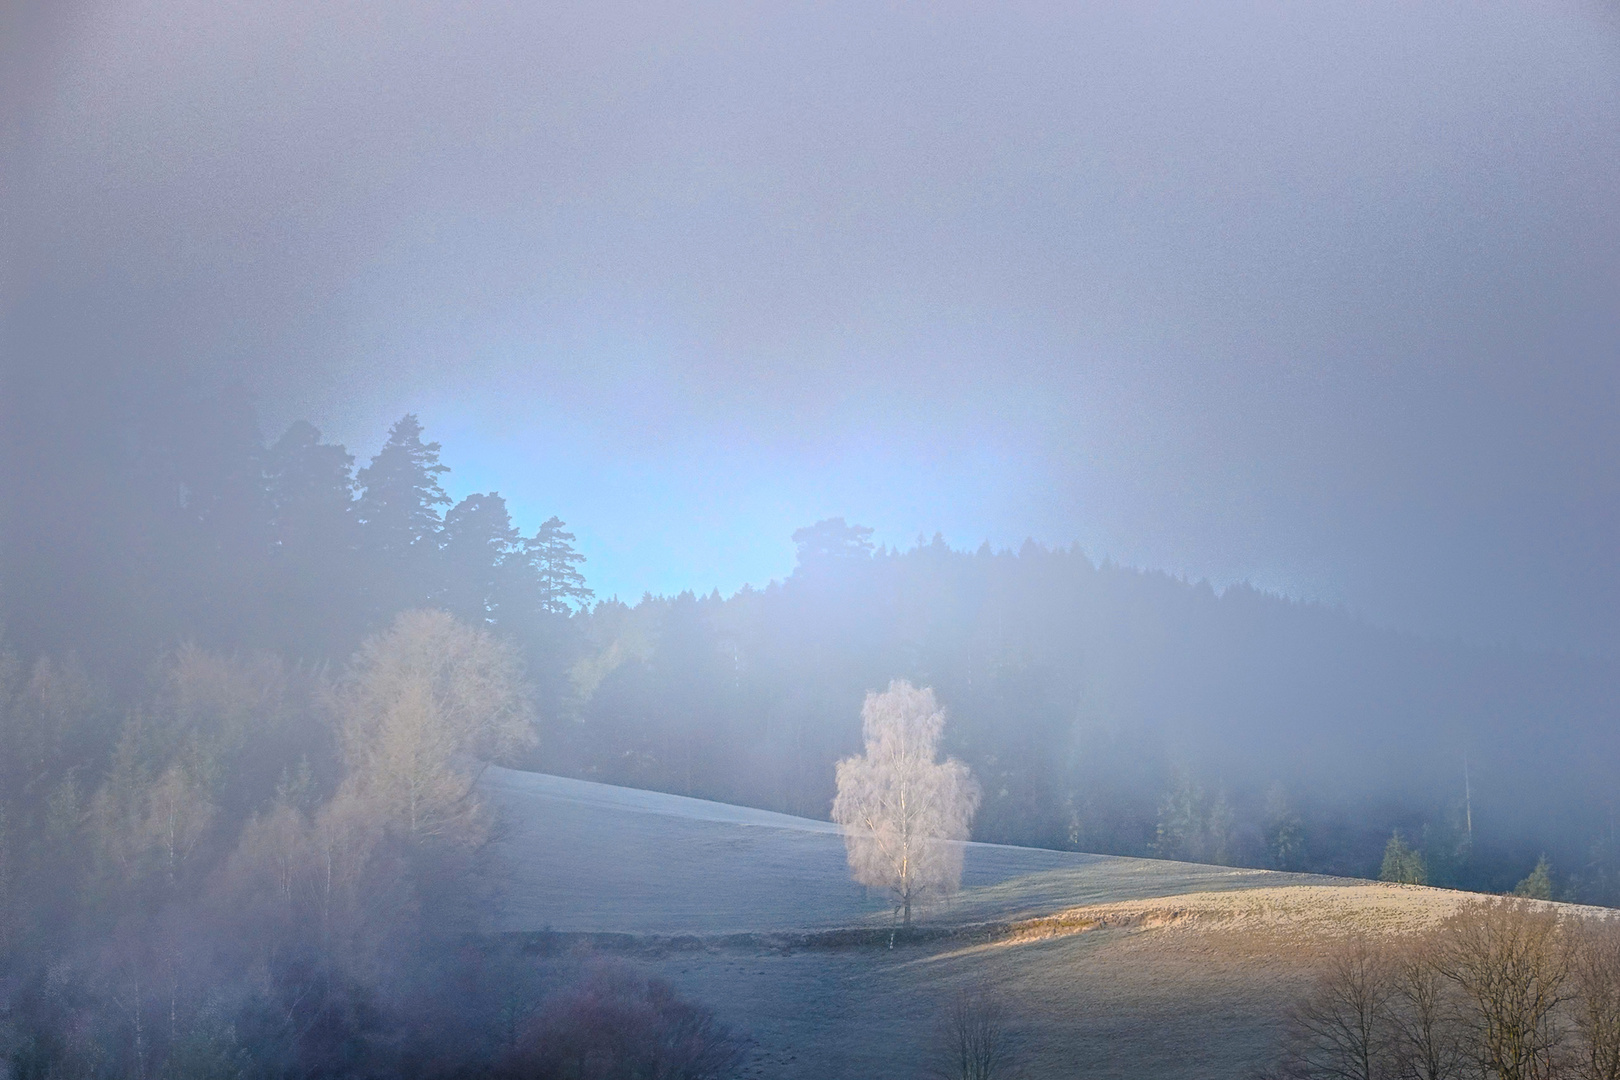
{"x":904,"y":814}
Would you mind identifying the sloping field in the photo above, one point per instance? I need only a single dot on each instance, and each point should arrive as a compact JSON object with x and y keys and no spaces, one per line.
{"x":1114,"y":967}
{"x":582,"y":856}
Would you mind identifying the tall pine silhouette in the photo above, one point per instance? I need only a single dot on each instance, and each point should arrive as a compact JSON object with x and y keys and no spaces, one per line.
{"x":316,"y":586}
{"x":400,"y":518}
{"x":554,"y":563}
{"x":478,"y":550}
{"x":400,"y":494}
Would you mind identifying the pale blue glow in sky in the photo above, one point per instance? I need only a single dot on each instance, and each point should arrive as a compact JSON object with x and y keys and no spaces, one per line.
{"x":701,"y":519}
{"x":1316,"y":296}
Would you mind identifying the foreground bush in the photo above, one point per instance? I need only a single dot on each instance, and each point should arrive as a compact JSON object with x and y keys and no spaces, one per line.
{"x":619,"y":1025}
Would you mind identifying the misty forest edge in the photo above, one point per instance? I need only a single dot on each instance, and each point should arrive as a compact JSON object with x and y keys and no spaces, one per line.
{"x":1104,"y":709}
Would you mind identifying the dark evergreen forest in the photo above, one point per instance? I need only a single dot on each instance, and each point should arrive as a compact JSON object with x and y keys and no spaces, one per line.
{"x":1111,"y":710}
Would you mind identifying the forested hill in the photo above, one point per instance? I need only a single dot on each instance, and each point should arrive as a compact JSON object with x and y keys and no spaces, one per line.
{"x":1104,"y":708}
{"x":1109,"y":709}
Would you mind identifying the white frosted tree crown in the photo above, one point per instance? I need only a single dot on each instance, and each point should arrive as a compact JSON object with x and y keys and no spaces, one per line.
{"x":905,"y":815}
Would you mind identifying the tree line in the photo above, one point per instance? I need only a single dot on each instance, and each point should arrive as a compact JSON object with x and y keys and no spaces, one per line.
{"x":1102,"y":708}
{"x":245,"y":688}
{"x":183,"y":523}
{"x":1110,"y":710}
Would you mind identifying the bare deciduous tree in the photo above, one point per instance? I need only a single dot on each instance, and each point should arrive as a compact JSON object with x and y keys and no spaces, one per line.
{"x":178,"y":813}
{"x":905,"y":815}
{"x":145,"y":825}
{"x":1511,"y":959}
{"x":1342,"y":1031}
{"x":975,"y":1043}
{"x":1425,"y":1021}
{"x":1597,"y":1000}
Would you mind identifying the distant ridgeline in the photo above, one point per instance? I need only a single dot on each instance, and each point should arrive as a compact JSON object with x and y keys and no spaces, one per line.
{"x":1102,"y":708}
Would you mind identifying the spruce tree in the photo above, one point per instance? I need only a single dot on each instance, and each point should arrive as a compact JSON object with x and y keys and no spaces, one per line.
{"x":311,"y":490}
{"x":479,"y":551}
{"x":398,"y":510}
{"x":1538,"y":885}
{"x":316,"y":601}
{"x":400,"y":494}
{"x":1401,"y":863}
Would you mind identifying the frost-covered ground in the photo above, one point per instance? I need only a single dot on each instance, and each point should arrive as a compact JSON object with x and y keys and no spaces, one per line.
{"x":581,"y":856}
{"x":1121,"y":968}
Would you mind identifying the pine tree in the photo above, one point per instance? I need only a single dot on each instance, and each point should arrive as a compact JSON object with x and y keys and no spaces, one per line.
{"x":1401,"y":863}
{"x":1179,"y":833}
{"x":398,"y":510}
{"x":311,"y":490}
{"x":480,"y":551}
{"x":1538,"y":885}
{"x":1285,"y":831}
{"x":400,"y":493}
{"x":315,"y":586}
{"x":832,"y":542}
{"x":551,"y":557}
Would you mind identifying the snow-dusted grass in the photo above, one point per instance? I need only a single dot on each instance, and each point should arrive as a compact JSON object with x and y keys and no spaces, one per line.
{"x":1114,"y":967}
{"x":581,"y":856}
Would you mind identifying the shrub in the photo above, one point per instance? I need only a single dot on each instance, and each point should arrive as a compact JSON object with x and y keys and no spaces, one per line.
{"x":616,"y":1024}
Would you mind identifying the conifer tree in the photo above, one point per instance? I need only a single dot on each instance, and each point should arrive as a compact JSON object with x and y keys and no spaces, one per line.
{"x":1538,"y":884}
{"x":1180,"y":832}
{"x":480,"y":550}
{"x":311,"y":490}
{"x":400,"y":494}
{"x":551,"y":555}
{"x":831,"y":542}
{"x":316,"y":604}
{"x":399,"y":513}
{"x":1402,"y":863}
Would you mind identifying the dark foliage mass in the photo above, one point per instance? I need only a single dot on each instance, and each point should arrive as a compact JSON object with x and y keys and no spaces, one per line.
{"x":173,"y":520}
{"x":615,"y":1024}
{"x":1108,"y":709}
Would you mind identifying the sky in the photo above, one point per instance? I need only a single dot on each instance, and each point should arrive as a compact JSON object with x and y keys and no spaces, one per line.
{"x":1323,"y":297}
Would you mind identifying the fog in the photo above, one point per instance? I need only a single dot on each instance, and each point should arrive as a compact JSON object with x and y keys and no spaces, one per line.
{"x":1320,"y":299}
{"x":1211,"y":406}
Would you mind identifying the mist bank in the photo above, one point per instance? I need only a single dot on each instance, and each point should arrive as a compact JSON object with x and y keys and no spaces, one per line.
{"x":1109,"y":709}
{"x":1103,"y":708}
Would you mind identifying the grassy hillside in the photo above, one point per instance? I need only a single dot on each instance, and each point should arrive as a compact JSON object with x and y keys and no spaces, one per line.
{"x":1116,"y":967}
{"x":582,"y":856}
